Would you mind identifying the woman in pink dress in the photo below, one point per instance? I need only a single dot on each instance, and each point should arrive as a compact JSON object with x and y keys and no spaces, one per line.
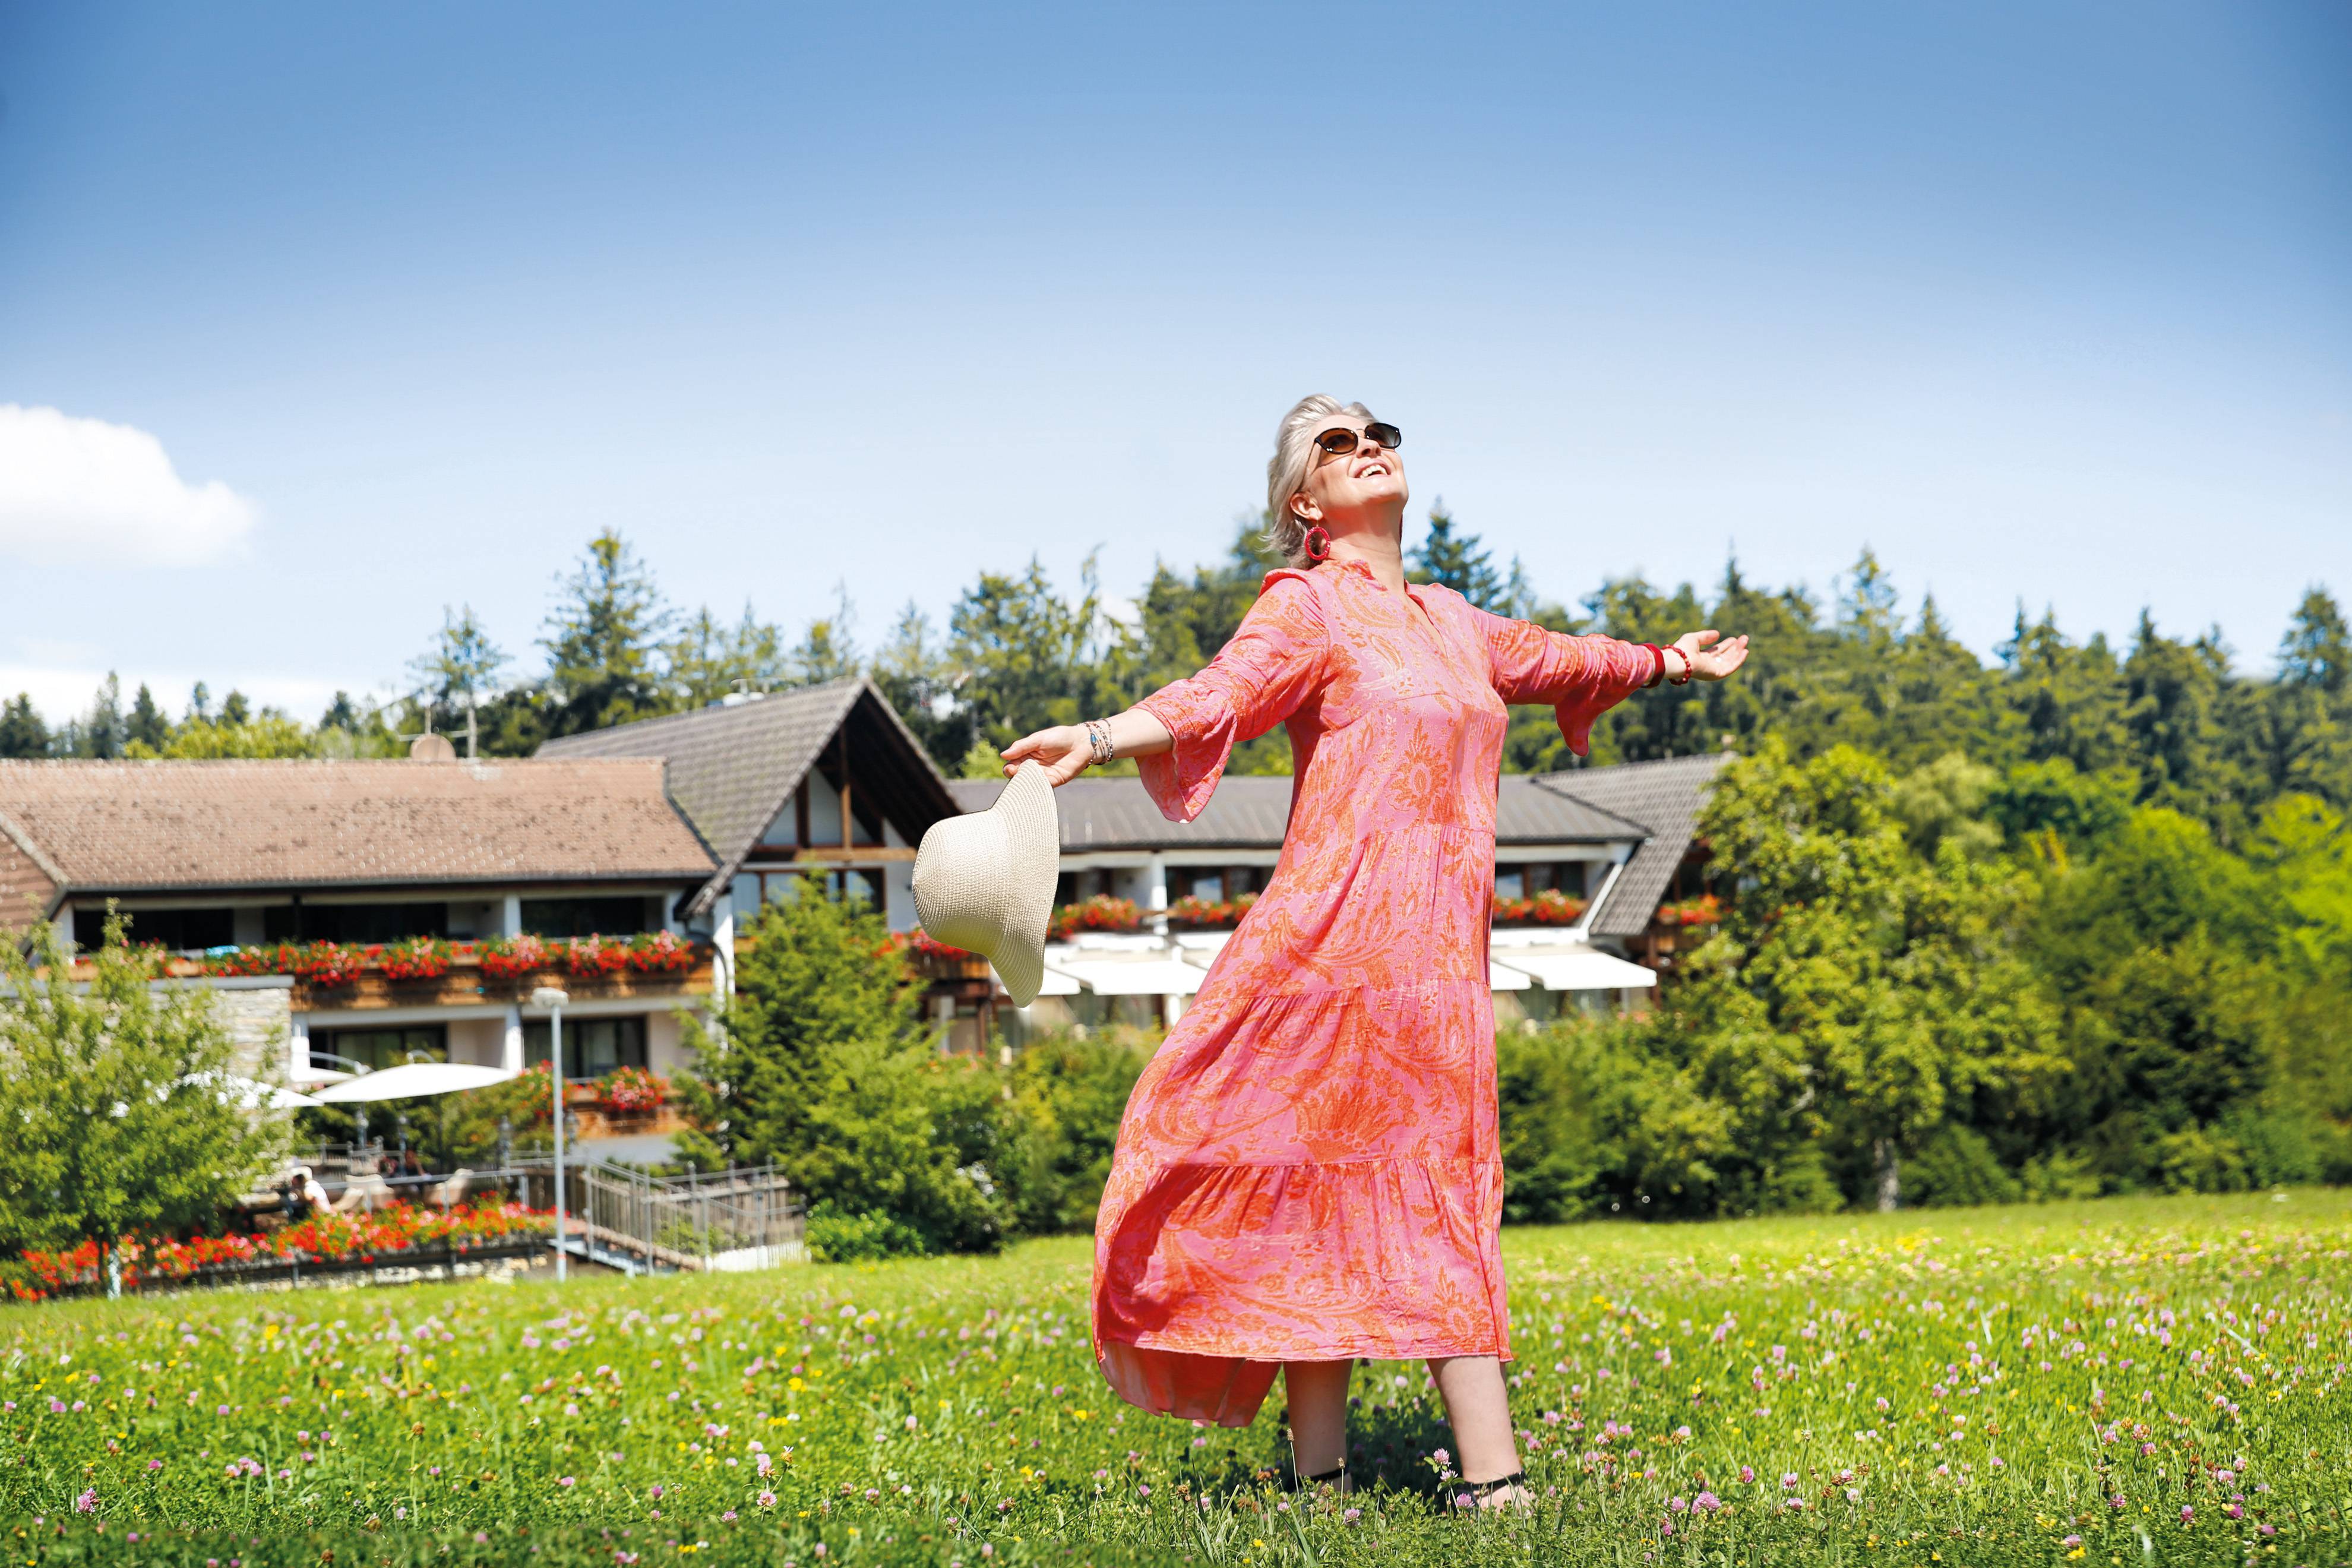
{"x":1308,"y":1171}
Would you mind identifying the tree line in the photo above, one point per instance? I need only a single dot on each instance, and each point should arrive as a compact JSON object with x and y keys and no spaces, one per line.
{"x":2178,"y":721}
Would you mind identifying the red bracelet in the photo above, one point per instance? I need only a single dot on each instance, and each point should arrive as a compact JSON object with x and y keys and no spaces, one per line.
{"x":1658,"y":660}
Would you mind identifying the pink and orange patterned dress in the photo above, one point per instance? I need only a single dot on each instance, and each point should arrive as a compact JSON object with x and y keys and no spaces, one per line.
{"x":1307,"y":1169}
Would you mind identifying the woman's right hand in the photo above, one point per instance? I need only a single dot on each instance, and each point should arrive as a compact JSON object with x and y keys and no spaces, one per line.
{"x":1062,"y":752}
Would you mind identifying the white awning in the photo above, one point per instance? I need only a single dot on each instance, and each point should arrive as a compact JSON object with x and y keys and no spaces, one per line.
{"x":411,"y":1079}
{"x":1501,"y":979}
{"x":1107,"y":976}
{"x":1054,"y":984}
{"x":1576,"y":969}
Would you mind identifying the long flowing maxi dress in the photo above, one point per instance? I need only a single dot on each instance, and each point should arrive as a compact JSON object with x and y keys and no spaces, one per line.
{"x":1309,"y":1167}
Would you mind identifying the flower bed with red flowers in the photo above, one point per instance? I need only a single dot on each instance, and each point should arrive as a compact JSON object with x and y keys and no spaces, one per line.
{"x":1549,"y":908}
{"x":1210,"y":914}
{"x":1101,"y":914}
{"x":324,"y":965}
{"x":626,"y":1090}
{"x":660,"y":953}
{"x":1704,"y":910}
{"x":386,"y":1234}
{"x":512,"y":957}
{"x":419,"y":958}
{"x":594,"y":958}
{"x":923,"y":944}
{"x":329,"y":964}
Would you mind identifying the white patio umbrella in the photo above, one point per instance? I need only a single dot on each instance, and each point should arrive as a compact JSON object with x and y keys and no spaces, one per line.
{"x":412,"y":1079}
{"x":250,"y":1094}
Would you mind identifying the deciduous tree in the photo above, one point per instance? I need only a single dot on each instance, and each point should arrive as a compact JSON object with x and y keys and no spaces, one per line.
{"x":120,"y":1124}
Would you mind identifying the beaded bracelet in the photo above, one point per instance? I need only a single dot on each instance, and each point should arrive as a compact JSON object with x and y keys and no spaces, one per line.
{"x":1099,"y":742}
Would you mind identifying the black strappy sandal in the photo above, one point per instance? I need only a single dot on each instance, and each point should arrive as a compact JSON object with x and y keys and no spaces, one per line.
{"x":1479,"y":1491}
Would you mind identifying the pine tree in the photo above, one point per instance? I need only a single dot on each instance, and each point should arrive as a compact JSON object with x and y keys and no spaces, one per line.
{"x":2317,"y":648}
{"x":22,"y":733}
{"x":919,"y":681}
{"x":461,"y":671}
{"x":100,"y":732}
{"x":828,"y":650}
{"x":1455,"y":561}
{"x":603,"y":639}
{"x":147,"y":727}
{"x":708,"y":659}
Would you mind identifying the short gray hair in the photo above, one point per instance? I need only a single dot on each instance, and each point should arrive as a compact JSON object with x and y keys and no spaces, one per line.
{"x":1286,"y":472}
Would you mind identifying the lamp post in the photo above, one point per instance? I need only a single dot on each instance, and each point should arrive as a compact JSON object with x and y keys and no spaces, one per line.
{"x":553,"y":1000}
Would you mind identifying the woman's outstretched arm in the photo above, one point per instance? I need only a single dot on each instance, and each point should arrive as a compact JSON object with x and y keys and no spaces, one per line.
{"x":1185,"y":731}
{"x":1065,"y":752}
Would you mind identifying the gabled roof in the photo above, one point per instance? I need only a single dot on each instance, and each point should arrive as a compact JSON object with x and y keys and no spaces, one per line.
{"x":1252,"y":811}
{"x":1528,"y":813}
{"x":1666,"y":797}
{"x":1110,"y":813}
{"x":733,"y":767}
{"x":93,"y":827}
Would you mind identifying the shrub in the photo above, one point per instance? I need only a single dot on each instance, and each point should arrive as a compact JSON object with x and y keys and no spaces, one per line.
{"x":1068,"y":1093}
{"x":820,"y":1064}
{"x":1956,"y":1166}
{"x":835,"y":1237}
{"x":1593,"y":1116}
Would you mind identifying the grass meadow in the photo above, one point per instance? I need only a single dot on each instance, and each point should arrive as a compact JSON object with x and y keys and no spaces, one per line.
{"x":2126,"y":1382}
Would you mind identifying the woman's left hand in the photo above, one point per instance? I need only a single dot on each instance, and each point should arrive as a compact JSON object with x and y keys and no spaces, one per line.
{"x":1712,"y":663}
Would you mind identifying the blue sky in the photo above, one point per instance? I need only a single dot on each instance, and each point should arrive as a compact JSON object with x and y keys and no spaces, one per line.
{"x":2051,"y":301}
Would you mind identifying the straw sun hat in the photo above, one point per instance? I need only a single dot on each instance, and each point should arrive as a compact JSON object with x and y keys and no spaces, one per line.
{"x":985,"y":882}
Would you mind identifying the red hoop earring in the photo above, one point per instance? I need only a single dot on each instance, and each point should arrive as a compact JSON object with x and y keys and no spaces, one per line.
{"x":1319,"y":543}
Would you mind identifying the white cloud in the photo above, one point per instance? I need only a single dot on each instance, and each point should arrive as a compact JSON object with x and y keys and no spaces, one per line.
{"x":85,"y":492}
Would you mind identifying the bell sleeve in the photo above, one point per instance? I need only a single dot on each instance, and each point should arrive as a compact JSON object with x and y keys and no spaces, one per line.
{"x":1276,"y":660}
{"x":1581,"y":677}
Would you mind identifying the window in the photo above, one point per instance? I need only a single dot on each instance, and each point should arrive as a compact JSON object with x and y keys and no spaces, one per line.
{"x":353,"y":923}
{"x":591,"y":1046}
{"x":1208,"y":886}
{"x":1511,"y":883}
{"x":584,"y":917}
{"x":755,"y":888}
{"x":182,"y":931}
{"x":377,"y":1049}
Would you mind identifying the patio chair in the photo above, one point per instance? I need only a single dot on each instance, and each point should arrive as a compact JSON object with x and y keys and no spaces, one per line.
{"x":364,"y":1193}
{"x":448,"y":1194}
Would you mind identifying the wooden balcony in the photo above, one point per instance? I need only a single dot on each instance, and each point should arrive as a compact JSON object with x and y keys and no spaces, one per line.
{"x":466,"y":984}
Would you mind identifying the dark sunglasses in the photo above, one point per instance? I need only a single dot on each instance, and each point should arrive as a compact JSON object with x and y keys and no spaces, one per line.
{"x":1339,"y":443}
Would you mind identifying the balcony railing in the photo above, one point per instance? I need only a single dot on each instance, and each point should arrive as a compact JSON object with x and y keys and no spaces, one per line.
{"x":422,"y":968}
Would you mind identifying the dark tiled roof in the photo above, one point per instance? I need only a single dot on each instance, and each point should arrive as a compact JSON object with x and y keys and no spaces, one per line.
{"x":1665,"y":797}
{"x":1526,"y":814}
{"x":1246,"y":813}
{"x":732,"y":768}
{"x":1251,"y":811}
{"x":126,"y":826}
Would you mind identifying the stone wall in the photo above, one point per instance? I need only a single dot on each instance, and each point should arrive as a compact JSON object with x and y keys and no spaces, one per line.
{"x":259,"y":1018}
